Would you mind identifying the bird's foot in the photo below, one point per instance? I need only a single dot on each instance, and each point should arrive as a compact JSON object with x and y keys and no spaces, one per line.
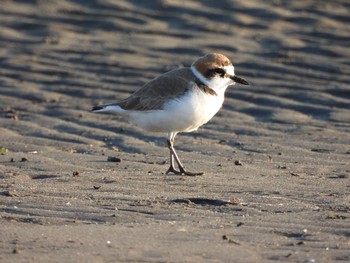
{"x":191,"y":174}
{"x":181,"y":172}
{"x":172,"y":170}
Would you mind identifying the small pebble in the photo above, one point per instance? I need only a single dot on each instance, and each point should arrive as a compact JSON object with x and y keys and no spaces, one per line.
{"x":238,"y":162}
{"x":113,"y":159}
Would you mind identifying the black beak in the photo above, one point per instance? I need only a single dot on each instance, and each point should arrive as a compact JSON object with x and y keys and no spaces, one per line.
{"x":239,"y":80}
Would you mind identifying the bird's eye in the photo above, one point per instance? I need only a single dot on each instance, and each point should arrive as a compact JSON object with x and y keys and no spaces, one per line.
{"x":220,"y":71}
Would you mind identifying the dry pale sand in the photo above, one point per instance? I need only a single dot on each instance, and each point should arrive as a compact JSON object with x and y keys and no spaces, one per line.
{"x":61,"y":201}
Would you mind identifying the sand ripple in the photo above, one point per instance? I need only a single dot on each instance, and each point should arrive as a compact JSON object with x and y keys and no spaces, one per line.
{"x":290,"y":129}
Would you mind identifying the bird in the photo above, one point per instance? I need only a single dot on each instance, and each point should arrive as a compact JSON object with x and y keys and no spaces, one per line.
{"x":180,"y":100}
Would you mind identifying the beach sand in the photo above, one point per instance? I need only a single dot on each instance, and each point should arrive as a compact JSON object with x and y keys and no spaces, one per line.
{"x":276,"y":157}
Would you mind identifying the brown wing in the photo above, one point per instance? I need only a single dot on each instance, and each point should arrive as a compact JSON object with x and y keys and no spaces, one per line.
{"x":155,"y":93}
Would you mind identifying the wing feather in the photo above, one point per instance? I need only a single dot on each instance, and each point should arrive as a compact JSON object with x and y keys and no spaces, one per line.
{"x":155,"y":93}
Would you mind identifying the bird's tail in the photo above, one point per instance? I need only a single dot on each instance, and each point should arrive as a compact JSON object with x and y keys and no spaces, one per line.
{"x":107,"y":108}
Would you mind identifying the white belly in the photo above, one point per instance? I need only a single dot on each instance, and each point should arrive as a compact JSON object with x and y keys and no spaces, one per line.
{"x":183,"y":115}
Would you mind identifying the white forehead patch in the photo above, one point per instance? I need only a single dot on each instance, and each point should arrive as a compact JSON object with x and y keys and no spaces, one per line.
{"x":229,"y":70}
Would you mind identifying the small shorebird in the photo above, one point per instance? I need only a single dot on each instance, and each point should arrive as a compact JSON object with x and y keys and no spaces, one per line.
{"x":180,"y":100}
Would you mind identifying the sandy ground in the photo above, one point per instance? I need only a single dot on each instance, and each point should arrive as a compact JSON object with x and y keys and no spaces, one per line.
{"x":62,"y":201}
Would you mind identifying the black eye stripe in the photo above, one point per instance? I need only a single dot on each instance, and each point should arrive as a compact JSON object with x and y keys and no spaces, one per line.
{"x":215,"y":71}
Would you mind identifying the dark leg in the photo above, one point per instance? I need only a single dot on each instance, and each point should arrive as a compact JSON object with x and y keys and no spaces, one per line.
{"x":173,"y":155}
{"x":172,"y":165}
